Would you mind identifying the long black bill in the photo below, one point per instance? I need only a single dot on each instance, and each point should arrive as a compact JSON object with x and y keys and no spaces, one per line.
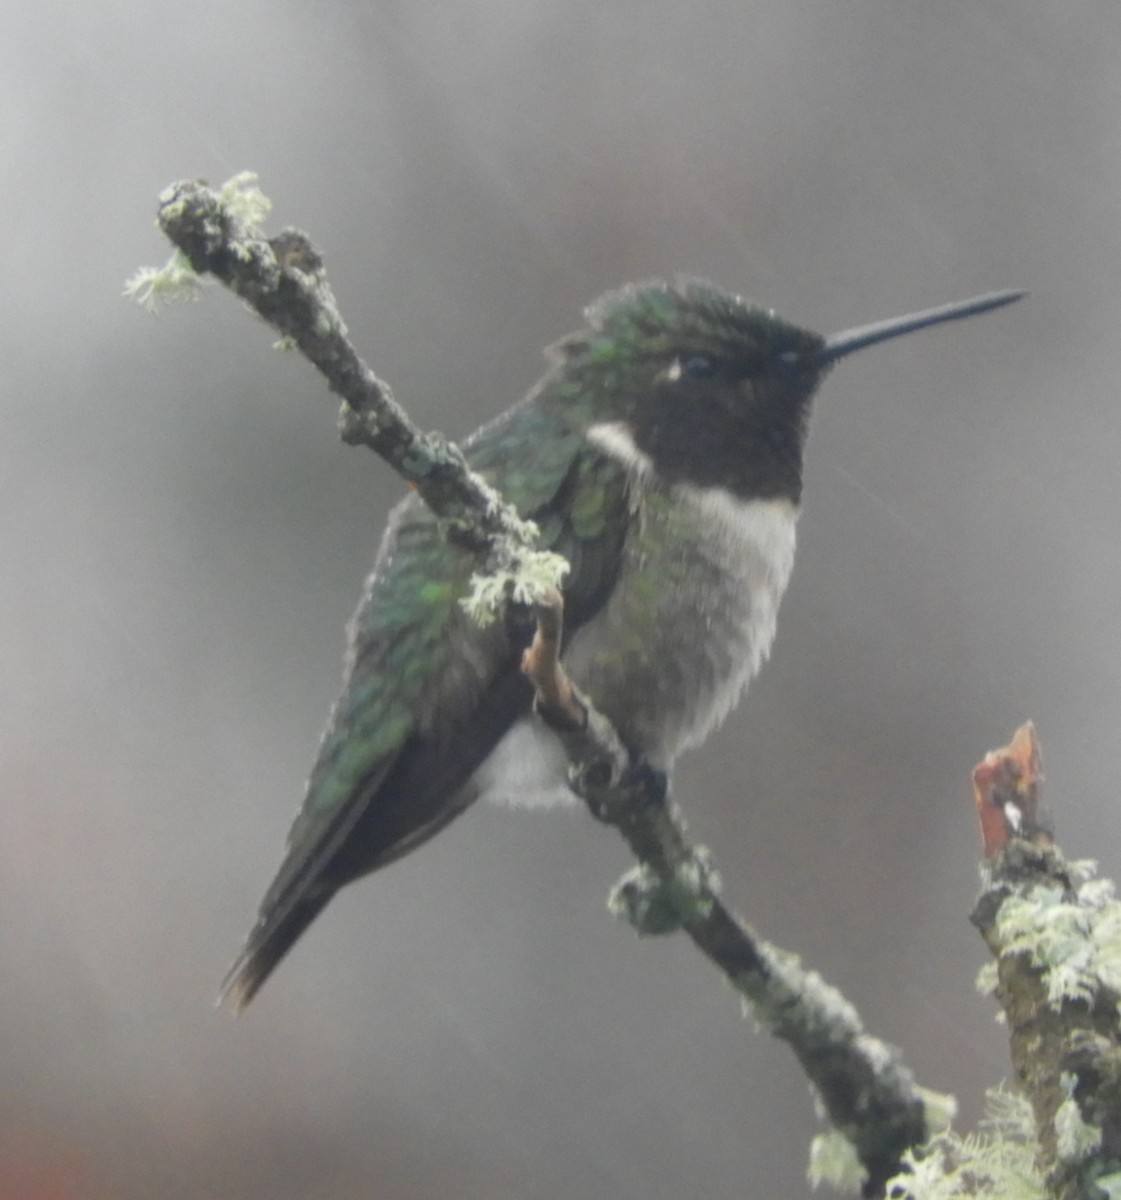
{"x":837,"y":345}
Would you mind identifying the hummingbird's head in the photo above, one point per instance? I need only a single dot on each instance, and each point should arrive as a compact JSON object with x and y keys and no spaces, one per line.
{"x":694,"y":384}
{"x":698,"y":386}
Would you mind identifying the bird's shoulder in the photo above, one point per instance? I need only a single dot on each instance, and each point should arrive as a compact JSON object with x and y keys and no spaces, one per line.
{"x":415,"y":655}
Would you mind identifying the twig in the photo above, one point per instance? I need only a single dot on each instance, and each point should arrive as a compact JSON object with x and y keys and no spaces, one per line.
{"x":867,"y":1092}
{"x":283,"y":280}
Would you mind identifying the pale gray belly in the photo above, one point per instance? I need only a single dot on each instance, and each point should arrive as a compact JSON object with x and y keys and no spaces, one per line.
{"x":691,"y":620}
{"x":688,"y":625}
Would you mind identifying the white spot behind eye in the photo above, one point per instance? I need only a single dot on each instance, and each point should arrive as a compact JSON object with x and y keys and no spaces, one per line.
{"x":617,"y":439}
{"x":672,"y":373}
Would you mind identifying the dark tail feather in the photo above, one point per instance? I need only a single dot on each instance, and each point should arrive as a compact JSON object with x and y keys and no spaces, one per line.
{"x":269,"y":942}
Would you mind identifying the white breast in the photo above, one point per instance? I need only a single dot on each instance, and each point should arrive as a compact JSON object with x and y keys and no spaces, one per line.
{"x":753,"y":542}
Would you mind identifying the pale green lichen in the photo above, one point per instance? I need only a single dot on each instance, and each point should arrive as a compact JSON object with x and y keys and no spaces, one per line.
{"x":654,"y":905}
{"x":834,"y":1161}
{"x":997,"y":1163}
{"x":176,"y":282}
{"x":1075,"y":1139}
{"x":354,"y":425}
{"x":245,"y":201}
{"x":697,"y":881}
{"x":527,"y":580}
{"x":328,"y":323}
{"x":1008,"y":1114}
{"x":519,"y":530}
{"x":987,"y":979}
{"x":824,"y":1010}
{"x":939,"y":1109}
{"x":1076,"y":942}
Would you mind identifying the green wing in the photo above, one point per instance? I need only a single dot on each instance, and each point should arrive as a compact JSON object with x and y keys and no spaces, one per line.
{"x":427,"y":692}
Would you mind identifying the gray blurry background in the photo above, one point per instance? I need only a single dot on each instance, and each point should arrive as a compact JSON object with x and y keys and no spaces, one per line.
{"x":183,"y":538}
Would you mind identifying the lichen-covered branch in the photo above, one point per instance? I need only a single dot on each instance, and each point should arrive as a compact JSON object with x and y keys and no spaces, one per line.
{"x":869,"y":1095}
{"x":217,"y":233}
{"x":1054,"y":930}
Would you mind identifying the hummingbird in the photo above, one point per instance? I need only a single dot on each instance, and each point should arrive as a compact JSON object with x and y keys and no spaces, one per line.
{"x":661,"y":455}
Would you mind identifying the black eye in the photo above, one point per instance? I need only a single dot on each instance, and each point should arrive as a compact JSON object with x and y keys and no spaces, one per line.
{"x":698,"y":366}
